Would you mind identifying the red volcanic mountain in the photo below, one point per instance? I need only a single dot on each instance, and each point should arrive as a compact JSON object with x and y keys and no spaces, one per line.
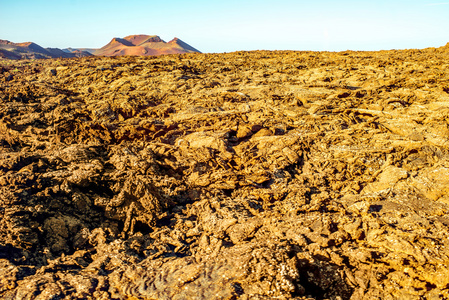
{"x":144,"y":45}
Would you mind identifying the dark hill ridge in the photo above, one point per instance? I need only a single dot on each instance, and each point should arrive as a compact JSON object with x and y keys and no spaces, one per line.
{"x":140,"y":45}
{"x":9,"y":54}
{"x":30,"y":50}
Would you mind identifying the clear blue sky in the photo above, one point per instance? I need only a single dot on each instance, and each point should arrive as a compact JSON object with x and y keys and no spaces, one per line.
{"x":224,"y":26}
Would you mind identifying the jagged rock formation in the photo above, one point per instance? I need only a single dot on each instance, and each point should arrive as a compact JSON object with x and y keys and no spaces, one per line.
{"x":248,"y":175}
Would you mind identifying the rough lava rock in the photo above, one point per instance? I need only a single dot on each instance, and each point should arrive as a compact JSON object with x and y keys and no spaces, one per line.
{"x":247,"y":175}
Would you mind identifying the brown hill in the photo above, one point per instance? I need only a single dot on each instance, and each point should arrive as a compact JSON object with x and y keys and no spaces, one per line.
{"x":144,"y":45}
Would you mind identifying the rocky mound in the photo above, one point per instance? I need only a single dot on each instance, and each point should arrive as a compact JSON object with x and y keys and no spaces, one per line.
{"x":144,"y":45}
{"x":249,"y":175}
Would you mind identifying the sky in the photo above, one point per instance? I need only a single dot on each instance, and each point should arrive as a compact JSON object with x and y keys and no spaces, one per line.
{"x":231,"y":25}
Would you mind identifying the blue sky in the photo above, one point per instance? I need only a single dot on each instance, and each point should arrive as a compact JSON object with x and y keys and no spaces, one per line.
{"x":225,"y":26}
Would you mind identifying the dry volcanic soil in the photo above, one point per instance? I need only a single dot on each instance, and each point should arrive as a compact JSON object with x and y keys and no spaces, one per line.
{"x":247,"y":175}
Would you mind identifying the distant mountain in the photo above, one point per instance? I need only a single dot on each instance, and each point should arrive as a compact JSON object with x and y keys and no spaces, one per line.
{"x":144,"y":45}
{"x":77,"y":50}
{"x":140,"y":44}
{"x":30,"y":50}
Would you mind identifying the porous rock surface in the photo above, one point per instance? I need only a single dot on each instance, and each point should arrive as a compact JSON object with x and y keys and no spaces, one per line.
{"x":248,"y":175}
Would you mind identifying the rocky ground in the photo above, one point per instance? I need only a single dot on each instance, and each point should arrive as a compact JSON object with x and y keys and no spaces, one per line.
{"x":248,"y":175}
